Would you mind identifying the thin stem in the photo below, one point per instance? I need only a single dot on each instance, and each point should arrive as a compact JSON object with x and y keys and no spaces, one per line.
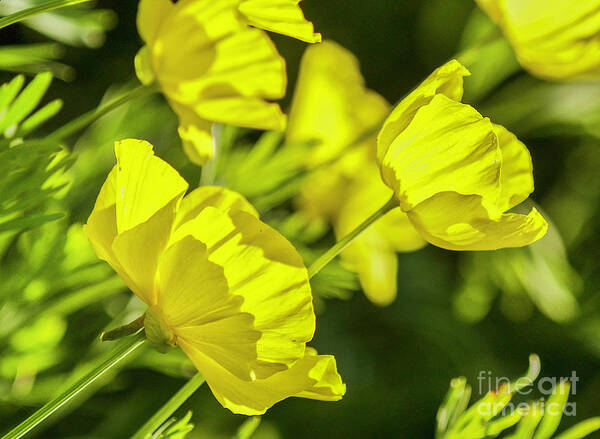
{"x":119,"y":353}
{"x":122,"y":331}
{"x":29,"y":12}
{"x":90,"y":117}
{"x":326,"y":257}
{"x":145,"y":432}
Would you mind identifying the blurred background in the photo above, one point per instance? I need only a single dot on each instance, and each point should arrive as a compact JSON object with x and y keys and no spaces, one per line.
{"x":456,"y":314}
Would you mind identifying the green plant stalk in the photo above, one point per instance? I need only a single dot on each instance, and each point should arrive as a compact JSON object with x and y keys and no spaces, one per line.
{"x":326,"y":257}
{"x":90,"y":117}
{"x":187,"y":390}
{"x":122,"y":331}
{"x":30,"y":12}
{"x":118,"y":354}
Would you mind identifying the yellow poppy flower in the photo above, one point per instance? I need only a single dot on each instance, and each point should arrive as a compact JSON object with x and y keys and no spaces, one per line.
{"x":554,"y":39}
{"x":212,"y":67}
{"x":222,"y":285}
{"x":454,"y":172}
{"x":333,"y":106}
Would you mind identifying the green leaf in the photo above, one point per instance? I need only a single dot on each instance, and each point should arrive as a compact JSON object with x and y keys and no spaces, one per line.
{"x":528,"y":423}
{"x":553,"y":411}
{"x":35,"y":10}
{"x":581,"y":430}
{"x":8,"y":92}
{"x":454,"y":405}
{"x":26,"y":102}
{"x":29,"y":222}
{"x":39,"y":117}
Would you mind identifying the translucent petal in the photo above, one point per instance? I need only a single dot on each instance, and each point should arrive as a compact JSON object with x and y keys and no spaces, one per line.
{"x":211,"y":196}
{"x":264,"y":268}
{"x":448,"y":146}
{"x":517,"y":170}
{"x":313,"y":376}
{"x":446,"y":80}
{"x":133,"y":215}
{"x":195,"y":302}
{"x":281,"y":16}
{"x":460,"y":222}
{"x":139,"y":248}
{"x":144,"y":183}
{"x":101,"y":227}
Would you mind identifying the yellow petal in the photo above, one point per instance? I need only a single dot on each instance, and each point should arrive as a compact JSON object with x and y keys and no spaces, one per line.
{"x":245,"y":112}
{"x":281,"y":16}
{"x":446,"y":80}
{"x":517,"y":169}
{"x":203,"y":52}
{"x":376,"y":268}
{"x":144,"y":183}
{"x":195,"y":134}
{"x":195,"y":303}
{"x":131,"y":221}
{"x":150,"y":16}
{"x":314,"y":376}
{"x":143,"y":66}
{"x":262,"y":267}
{"x":448,"y":146}
{"x":205,"y":59}
{"x":138,"y":250}
{"x":244,"y":63}
{"x":211,"y":196}
{"x":322,"y":194}
{"x":552,"y":39}
{"x":101,"y":227}
{"x":331,"y":103}
{"x":460,"y":222}
{"x":373,"y":253}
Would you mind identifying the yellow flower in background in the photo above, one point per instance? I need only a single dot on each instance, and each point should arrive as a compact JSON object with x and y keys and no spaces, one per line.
{"x":212,"y":67}
{"x":454,"y":172}
{"x":222,"y":285}
{"x":333,"y":107}
{"x":553,"y":39}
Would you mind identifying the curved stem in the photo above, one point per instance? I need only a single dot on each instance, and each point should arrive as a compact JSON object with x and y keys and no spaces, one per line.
{"x":145,"y":432}
{"x":119,"y":353}
{"x":90,"y":117}
{"x":326,"y":257}
{"x":29,"y":12}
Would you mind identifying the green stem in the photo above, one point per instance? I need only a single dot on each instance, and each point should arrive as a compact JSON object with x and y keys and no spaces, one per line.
{"x":29,"y":12}
{"x":145,"y":432}
{"x":119,"y":353}
{"x":90,"y":117}
{"x":326,"y":257}
{"x":122,"y":331}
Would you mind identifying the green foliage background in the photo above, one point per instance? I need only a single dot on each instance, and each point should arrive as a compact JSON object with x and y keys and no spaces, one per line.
{"x":456,"y":314}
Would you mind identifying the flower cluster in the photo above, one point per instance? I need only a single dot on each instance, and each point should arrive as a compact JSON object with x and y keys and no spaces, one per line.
{"x":232,"y":292}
